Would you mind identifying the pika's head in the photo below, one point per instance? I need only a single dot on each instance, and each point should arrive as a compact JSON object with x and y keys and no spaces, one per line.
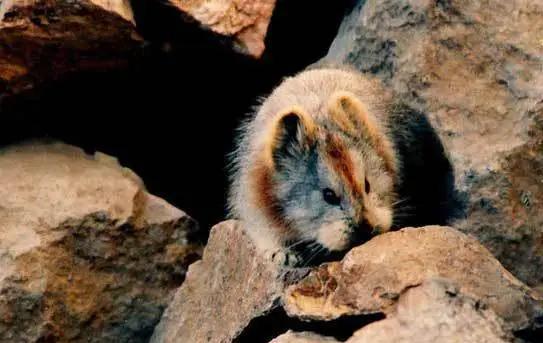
{"x":332,"y":179}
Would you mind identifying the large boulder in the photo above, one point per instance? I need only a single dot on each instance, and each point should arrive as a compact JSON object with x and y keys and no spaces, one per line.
{"x":86,"y":254}
{"x":476,"y":69}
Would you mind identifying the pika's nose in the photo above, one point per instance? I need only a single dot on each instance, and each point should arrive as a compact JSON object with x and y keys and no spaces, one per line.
{"x":361,"y":232}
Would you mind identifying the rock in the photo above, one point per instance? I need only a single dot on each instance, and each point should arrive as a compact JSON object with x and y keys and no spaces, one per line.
{"x":245,"y":21}
{"x":45,"y":40}
{"x":222,"y":293}
{"x":372,"y":277}
{"x":476,"y":69}
{"x":302,"y":337}
{"x":436,"y":312}
{"x":432,"y":312}
{"x":86,"y":254}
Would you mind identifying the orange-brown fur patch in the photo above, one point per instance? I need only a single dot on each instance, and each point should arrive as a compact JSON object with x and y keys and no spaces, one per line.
{"x":265,"y":198}
{"x":343,"y":165}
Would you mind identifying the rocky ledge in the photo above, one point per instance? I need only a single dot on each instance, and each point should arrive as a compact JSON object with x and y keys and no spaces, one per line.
{"x":86,"y":253}
{"x":430,"y":283}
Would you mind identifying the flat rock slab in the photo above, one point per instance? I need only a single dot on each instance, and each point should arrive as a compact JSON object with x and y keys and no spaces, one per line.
{"x":476,"y":69}
{"x":245,"y":21}
{"x":222,"y":293}
{"x":372,"y":277}
{"x":86,"y":254}
{"x":43,"y":40}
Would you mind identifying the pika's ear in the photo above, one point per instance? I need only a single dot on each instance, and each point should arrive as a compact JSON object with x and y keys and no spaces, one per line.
{"x":351,"y":116}
{"x":291,"y":136}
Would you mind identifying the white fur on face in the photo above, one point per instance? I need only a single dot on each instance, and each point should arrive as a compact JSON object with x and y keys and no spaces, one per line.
{"x":334,"y":236}
{"x":384,"y":217}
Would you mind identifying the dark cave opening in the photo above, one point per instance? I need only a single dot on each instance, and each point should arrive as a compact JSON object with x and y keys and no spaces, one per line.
{"x":171,"y":114}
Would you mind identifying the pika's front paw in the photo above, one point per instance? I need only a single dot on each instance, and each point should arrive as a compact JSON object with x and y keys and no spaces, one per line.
{"x":283,"y":257}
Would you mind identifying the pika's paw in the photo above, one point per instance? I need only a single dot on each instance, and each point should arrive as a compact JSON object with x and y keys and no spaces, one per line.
{"x":283,"y":257}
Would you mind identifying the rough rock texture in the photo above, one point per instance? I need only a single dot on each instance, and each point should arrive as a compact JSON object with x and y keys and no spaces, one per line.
{"x":372,"y":277}
{"x":433,"y":312}
{"x":86,"y":254}
{"x":436,"y":312}
{"x":476,"y":68}
{"x":42,"y":40}
{"x":246,"y":21}
{"x":225,"y":290}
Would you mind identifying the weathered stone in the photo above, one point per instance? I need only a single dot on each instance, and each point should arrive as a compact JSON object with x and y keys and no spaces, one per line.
{"x":436,"y":312}
{"x":245,"y":21}
{"x":44,"y":40}
{"x":222,"y":293}
{"x":86,"y":254}
{"x":476,"y":68}
{"x":371,"y":277}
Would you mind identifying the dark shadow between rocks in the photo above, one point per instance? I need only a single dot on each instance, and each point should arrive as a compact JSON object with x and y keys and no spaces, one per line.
{"x":267,"y":327}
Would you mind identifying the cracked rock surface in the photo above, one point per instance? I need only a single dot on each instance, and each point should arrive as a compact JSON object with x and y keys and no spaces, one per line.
{"x":86,"y":254}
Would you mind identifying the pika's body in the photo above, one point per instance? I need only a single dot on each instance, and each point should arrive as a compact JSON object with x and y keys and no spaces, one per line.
{"x":328,"y":158}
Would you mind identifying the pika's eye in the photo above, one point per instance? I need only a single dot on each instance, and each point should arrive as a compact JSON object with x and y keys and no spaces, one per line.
{"x":330,"y":196}
{"x":367,"y":185}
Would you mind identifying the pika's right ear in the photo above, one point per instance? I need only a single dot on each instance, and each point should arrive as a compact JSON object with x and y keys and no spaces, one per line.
{"x":291,"y":136}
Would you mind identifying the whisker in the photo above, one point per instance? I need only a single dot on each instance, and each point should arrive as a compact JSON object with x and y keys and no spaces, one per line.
{"x":298,"y":242}
{"x":317,"y":252}
{"x":401,"y":201}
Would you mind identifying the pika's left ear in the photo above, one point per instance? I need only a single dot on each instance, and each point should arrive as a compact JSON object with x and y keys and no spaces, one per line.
{"x":351,"y":116}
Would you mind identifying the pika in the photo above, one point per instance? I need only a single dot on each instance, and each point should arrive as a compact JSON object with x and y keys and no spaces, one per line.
{"x":330,"y":159}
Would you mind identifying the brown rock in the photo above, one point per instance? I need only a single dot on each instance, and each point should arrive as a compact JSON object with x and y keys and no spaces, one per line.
{"x":476,"y":68}
{"x":246,"y":21}
{"x":42,"y":40}
{"x":371,"y":277}
{"x":436,"y":312}
{"x":432,"y":312}
{"x":225,"y":290}
{"x":86,"y":254}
